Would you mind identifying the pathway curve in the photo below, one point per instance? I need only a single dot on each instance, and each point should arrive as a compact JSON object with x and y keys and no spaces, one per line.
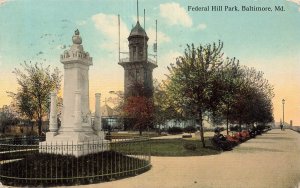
{"x":271,"y":160}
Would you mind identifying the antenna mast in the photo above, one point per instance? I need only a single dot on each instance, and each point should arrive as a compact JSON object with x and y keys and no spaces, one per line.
{"x":137,"y":9}
{"x":119,"y":36}
{"x":145,"y":51}
{"x":156,"y":39}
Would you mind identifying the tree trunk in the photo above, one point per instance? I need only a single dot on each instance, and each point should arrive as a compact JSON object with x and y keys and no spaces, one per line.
{"x":201,"y":129}
{"x":140,"y":130}
{"x":31,"y":124}
{"x":227,"y":120}
{"x":240,"y":126}
{"x":40,"y":126}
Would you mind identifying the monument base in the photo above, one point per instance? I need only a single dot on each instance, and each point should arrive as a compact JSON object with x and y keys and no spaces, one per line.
{"x":74,"y":143}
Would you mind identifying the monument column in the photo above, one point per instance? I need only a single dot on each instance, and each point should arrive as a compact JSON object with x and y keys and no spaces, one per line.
{"x":53,"y":113}
{"x":97,"y":124}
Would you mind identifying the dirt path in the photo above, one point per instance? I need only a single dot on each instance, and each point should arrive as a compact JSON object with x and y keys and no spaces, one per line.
{"x":271,"y":161}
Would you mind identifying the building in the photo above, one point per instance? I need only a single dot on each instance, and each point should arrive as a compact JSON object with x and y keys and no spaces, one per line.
{"x":138,"y":67}
{"x":111,"y":119}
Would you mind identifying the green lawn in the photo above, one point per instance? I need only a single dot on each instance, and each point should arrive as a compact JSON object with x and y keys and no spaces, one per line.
{"x":167,"y":147}
{"x":175,"y":147}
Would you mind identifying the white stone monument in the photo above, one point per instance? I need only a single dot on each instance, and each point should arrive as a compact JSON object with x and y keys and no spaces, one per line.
{"x":76,"y":126}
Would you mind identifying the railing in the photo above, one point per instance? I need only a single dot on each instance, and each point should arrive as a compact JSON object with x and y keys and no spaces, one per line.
{"x":124,"y":60}
{"x":23,"y":164}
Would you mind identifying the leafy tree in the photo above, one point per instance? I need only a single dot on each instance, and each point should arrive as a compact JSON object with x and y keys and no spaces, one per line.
{"x":117,"y":101}
{"x":227,"y":83}
{"x":191,"y":81}
{"x":163,"y":107}
{"x":7,"y":118}
{"x":253,"y":102}
{"x":140,"y":110}
{"x":33,"y":95}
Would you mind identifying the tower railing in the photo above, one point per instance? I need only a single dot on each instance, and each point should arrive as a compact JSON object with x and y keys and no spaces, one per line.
{"x":149,"y":60}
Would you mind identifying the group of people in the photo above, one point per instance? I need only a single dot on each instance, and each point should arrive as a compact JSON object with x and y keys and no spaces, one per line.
{"x":220,"y":141}
{"x":228,"y":142}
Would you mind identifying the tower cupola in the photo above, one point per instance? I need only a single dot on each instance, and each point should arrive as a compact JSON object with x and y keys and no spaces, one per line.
{"x":138,"y":31}
{"x":138,"y":46}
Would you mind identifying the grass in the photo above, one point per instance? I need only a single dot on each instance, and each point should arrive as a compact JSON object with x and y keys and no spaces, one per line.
{"x":133,"y":133}
{"x":175,"y":147}
{"x":168,"y":147}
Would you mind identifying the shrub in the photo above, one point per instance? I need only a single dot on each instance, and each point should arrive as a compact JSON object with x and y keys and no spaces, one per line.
{"x":190,"y":129}
{"x":261,"y":127}
{"x":38,"y":165}
{"x":175,"y":130}
{"x":190,"y":146}
{"x":234,"y":128}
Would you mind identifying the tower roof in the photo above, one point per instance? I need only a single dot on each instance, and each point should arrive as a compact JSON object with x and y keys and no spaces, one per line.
{"x":138,"y":31}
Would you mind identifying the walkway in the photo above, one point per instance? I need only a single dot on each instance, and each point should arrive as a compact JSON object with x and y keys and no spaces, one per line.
{"x":271,"y":161}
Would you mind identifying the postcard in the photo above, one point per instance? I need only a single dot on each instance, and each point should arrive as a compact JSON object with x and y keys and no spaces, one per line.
{"x":94,"y":54}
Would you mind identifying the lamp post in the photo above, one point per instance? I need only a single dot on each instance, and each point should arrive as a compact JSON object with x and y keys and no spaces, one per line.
{"x":283,"y":101}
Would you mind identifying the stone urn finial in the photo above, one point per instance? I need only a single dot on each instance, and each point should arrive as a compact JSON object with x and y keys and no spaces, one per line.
{"x":76,"y":37}
{"x":77,"y":32}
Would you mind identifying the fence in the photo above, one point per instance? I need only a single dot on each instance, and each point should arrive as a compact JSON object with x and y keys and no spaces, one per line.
{"x":24,"y":162}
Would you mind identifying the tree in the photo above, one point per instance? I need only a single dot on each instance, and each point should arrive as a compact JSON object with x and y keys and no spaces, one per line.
{"x":190,"y":82}
{"x":33,"y":94}
{"x":227,"y":83}
{"x":117,"y":101}
{"x":140,"y":110}
{"x":163,"y":107}
{"x":253,"y":99}
{"x":7,"y":118}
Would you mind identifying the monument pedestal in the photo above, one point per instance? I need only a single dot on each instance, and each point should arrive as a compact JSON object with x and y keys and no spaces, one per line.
{"x":77,"y":135}
{"x":74,"y":143}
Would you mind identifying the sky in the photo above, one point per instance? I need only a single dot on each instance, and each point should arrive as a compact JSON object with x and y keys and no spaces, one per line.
{"x":40,"y":30}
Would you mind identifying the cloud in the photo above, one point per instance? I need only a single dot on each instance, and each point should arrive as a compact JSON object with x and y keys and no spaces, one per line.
{"x":201,"y":26}
{"x":161,"y":37}
{"x":169,"y":57}
{"x":107,"y":24}
{"x":2,"y":2}
{"x":295,"y":1}
{"x":163,"y":62}
{"x":174,"y":14}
